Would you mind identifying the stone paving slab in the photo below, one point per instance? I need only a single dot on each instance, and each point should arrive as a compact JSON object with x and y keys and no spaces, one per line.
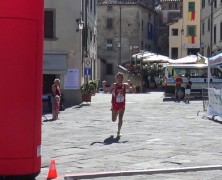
{"x":157,"y":134}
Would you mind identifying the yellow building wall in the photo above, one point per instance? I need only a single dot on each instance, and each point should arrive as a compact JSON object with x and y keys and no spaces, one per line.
{"x":184,"y":41}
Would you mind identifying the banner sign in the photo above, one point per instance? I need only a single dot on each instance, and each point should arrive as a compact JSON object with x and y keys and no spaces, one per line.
{"x":215,"y":102}
{"x":71,"y":79}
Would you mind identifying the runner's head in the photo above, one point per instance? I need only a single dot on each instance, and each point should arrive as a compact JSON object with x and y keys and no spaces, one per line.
{"x":57,"y":81}
{"x":119,"y":77}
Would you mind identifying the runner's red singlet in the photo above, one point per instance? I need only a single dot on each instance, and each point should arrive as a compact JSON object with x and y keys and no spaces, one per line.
{"x":118,"y":97}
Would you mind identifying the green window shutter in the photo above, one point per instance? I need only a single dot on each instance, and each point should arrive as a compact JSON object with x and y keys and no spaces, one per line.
{"x":191,"y":6}
{"x":191,"y":31}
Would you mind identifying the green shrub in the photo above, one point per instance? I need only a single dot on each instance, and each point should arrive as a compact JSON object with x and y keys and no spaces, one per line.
{"x":87,"y":88}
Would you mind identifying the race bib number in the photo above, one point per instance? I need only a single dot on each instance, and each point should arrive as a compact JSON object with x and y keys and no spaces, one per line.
{"x":119,"y":98}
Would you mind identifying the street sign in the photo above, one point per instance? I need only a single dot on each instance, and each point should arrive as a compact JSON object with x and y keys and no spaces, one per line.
{"x":87,"y":63}
{"x":87,"y":71}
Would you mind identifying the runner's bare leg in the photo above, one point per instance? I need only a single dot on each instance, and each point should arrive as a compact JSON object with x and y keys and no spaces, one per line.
{"x":114,"y":115}
{"x":120,"y":123}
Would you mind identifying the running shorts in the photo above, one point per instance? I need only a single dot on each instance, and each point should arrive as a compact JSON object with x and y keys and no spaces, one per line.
{"x":117,"y":107}
{"x":187,"y":91}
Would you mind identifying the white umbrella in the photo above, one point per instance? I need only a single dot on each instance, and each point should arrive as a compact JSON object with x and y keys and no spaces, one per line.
{"x":157,"y":59}
{"x":142,"y":54}
{"x":191,"y":59}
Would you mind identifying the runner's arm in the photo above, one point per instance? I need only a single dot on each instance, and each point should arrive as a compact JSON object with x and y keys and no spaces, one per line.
{"x":131,"y":87}
{"x":106,"y":89}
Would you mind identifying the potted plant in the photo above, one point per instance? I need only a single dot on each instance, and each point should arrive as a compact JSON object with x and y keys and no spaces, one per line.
{"x":95,"y":84}
{"x":87,"y":89}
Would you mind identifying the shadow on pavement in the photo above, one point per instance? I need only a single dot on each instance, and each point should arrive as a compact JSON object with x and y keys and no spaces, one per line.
{"x":109,"y":140}
{"x":49,"y":120}
{"x":167,"y":99}
{"x":216,"y":121}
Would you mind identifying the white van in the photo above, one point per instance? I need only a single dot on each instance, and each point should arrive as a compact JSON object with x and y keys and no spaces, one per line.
{"x":198,"y":73}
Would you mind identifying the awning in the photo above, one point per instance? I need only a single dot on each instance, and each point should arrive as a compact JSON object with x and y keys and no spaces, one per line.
{"x":215,"y":60}
{"x":55,"y":63}
{"x":191,"y":46}
{"x":157,"y":58}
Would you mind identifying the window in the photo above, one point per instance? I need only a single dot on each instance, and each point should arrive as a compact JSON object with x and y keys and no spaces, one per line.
{"x":191,"y":33}
{"x":208,"y":25}
{"x":150,"y":31}
{"x":91,"y":36}
{"x":197,"y":73}
{"x":215,"y":34}
{"x":109,"y":69}
{"x":94,"y":39}
{"x":203,"y":4}
{"x":91,"y":4}
{"x":109,"y":8}
{"x":174,"y":53}
{"x":174,"y":32}
{"x":220,"y":31}
{"x":191,"y":6}
{"x":142,"y":25}
{"x":142,"y":45}
{"x":173,"y":6}
{"x":87,"y":4}
{"x":150,"y":15}
{"x":193,"y":72}
{"x":109,"y":24}
{"x":94,"y":7}
{"x":191,"y":11}
{"x":203,"y":28}
{"x":49,"y":31}
{"x":109,"y":44}
{"x":215,"y":4}
{"x":216,"y":73}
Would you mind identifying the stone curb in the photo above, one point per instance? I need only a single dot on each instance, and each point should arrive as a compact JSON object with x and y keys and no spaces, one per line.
{"x":140,"y":172}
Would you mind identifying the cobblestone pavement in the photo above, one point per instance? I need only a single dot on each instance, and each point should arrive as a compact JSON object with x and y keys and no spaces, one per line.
{"x":157,"y":134}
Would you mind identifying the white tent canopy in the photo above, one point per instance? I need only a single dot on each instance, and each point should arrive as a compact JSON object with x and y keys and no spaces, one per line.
{"x":215,"y":60}
{"x":156,"y":58}
{"x":191,"y":59}
{"x":150,"y":57}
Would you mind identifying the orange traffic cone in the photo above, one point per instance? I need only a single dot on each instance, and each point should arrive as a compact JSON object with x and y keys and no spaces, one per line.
{"x":52,"y":170}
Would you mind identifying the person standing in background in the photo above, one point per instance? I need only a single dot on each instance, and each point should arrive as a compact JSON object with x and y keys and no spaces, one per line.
{"x":55,"y":92}
{"x":187,"y":90}
{"x":165,"y":83}
{"x":178,"y":89}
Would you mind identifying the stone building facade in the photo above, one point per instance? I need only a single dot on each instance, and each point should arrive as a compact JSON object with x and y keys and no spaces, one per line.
{"x":123,"y":28}
{"x":211,"y":27}
{"x":66,"y":44}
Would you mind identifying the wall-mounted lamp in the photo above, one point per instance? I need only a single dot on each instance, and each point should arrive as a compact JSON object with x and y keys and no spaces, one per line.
{"x":80,"y":24}
{"x":182,"y":31}
{"x":218,"y":48}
